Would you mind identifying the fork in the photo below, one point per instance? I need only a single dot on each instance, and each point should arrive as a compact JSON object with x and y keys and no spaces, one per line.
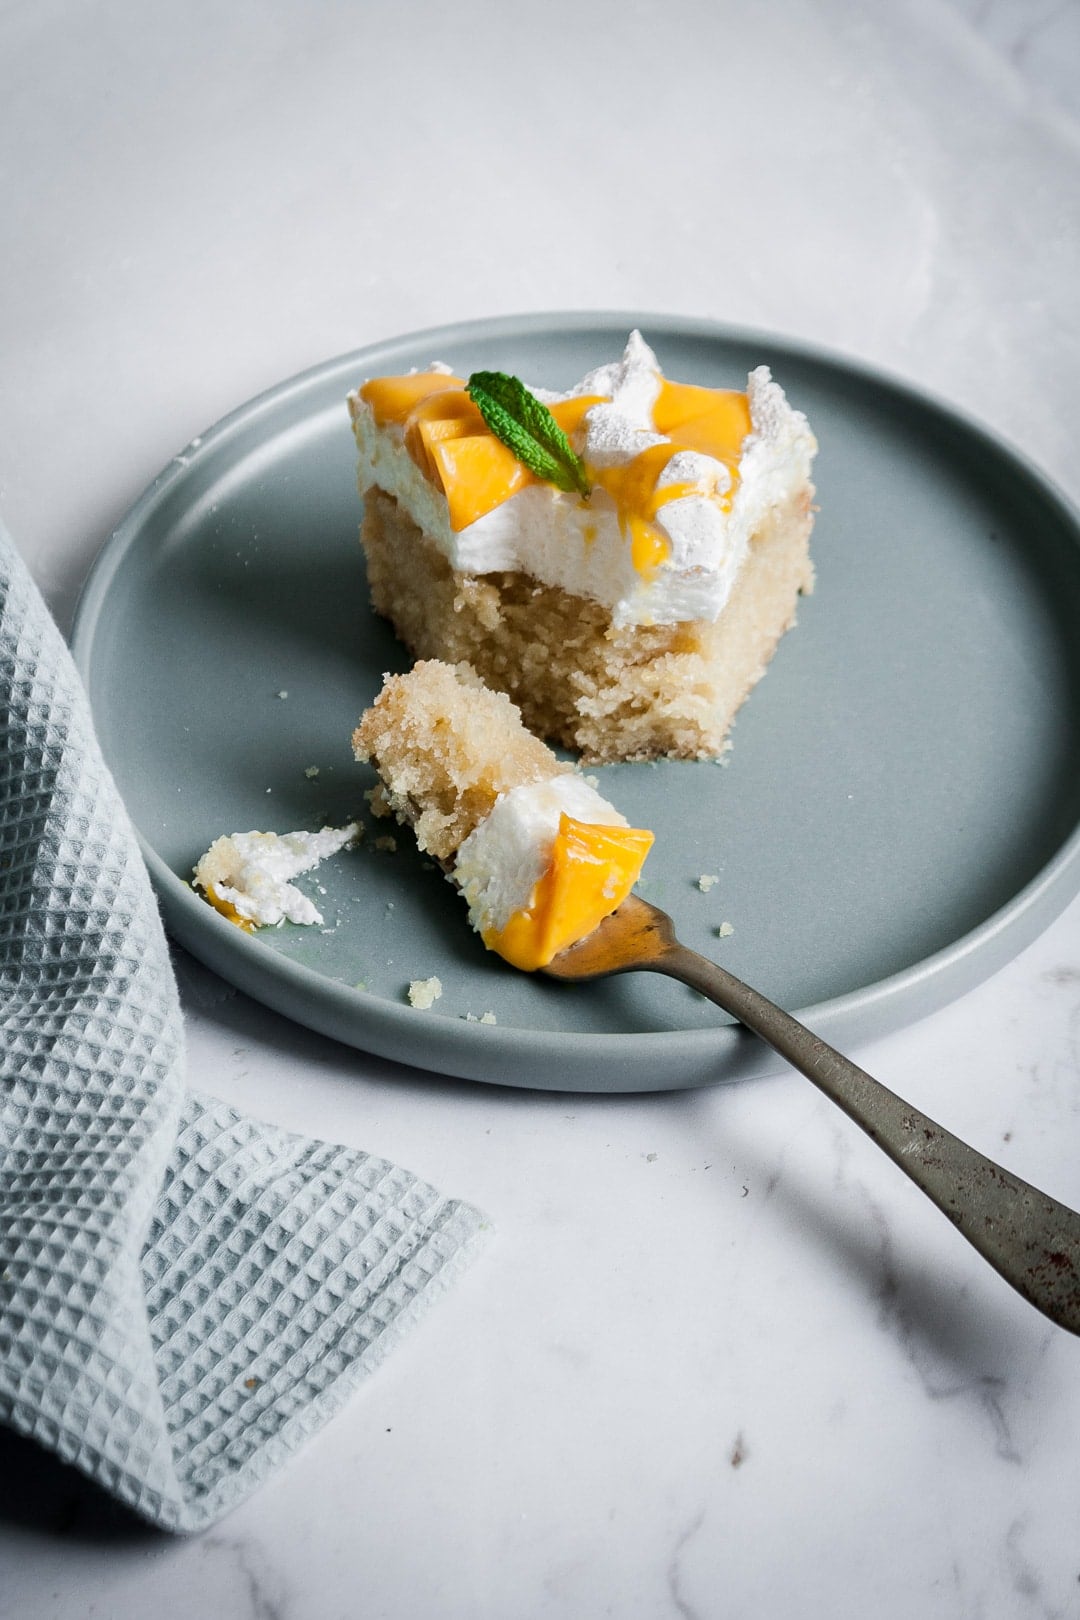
{"x":1029,"y":1238}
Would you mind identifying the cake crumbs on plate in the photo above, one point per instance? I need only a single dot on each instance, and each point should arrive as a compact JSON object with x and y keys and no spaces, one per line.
{"x":424,"y":992}
{"x":387,"y":842}
{"x":707,"y":881}
{"x":480,"y":1018}
{"x":725,"y":930}
{"x":311,"y":772}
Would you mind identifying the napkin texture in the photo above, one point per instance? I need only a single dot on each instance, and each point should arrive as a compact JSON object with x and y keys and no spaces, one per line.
{"x":185,"y":1294}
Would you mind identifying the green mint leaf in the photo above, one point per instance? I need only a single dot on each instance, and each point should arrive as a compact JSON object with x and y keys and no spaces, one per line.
{"x":527,"y":427}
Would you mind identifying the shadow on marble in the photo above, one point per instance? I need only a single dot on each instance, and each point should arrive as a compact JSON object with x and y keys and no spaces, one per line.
{"x":959,"y":1324}
{"x":39,"y":1492}
{"x":244,"y":1022}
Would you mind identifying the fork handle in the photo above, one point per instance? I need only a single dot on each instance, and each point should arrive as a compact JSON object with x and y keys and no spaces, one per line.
{"x":1029,"y":1238}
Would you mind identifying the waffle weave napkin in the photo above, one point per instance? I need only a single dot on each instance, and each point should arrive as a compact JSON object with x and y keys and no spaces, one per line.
{"x":186,"y":1294}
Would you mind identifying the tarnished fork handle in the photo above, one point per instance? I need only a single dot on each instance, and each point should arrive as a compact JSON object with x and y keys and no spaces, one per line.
{"x":1028,"y":1237}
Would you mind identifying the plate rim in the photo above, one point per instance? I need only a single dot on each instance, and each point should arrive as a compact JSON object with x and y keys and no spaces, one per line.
{"x":483,"y":1053}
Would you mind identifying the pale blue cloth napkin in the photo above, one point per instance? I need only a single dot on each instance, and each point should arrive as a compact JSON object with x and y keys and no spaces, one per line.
{"x":185,"y":1294}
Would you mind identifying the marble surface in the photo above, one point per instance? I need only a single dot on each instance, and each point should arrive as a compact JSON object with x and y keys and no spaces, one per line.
{"x":721,"y":1359}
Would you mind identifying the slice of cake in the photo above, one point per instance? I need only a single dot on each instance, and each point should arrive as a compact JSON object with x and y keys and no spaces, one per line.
{"x":629,"y":616}
{"x":540,"y":857}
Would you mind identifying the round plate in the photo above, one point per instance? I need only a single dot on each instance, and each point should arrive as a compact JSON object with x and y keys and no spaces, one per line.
{"x":897,"y":817}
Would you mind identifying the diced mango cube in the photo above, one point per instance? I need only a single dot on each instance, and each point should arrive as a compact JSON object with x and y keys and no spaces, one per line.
{"x":477,"y":474}
{"x":591,"y":872}
{"x":448,"y":415}
{"x":712,"y":420}
{"x":570,"y":412}
{"x":392,"y":399}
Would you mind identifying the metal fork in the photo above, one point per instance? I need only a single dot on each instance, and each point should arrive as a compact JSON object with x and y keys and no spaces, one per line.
{"x":1028,"y":1237}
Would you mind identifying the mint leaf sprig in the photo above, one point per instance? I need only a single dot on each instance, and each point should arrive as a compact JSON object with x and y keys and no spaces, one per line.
{"x":527,"y":427}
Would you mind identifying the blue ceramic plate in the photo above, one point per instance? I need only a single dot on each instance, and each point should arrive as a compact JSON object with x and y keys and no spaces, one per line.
{"x":898,"y":816}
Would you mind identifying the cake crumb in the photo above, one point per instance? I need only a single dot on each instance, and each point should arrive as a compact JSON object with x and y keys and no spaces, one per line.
{"x":387,"y":842}
{"x":375,"y":799}
{"x":483,"y":1018}
{"x":707,"y":881}
{"x":423,"y":992}
{"x":311,"y":772}
{"x":725,"y":930}
{"x":283,"y":694}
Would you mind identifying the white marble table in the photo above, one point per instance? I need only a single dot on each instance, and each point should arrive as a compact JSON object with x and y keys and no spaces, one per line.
{"x":720,"y":1359}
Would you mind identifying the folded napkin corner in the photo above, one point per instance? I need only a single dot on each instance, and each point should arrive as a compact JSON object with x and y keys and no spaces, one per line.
{"x":186,"y":1294}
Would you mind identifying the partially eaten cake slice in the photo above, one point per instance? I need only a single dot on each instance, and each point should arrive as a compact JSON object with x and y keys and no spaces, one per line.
{"x":627,"y":616}
{"x":540,"y":857}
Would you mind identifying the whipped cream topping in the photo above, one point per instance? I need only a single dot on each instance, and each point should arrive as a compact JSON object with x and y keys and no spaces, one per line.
{"x":502,"y":860}
{"x":251,"y":872}
{"x":561,"y":540}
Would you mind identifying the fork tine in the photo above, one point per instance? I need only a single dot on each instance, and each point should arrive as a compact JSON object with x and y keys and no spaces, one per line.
{"x":636,"y":936}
